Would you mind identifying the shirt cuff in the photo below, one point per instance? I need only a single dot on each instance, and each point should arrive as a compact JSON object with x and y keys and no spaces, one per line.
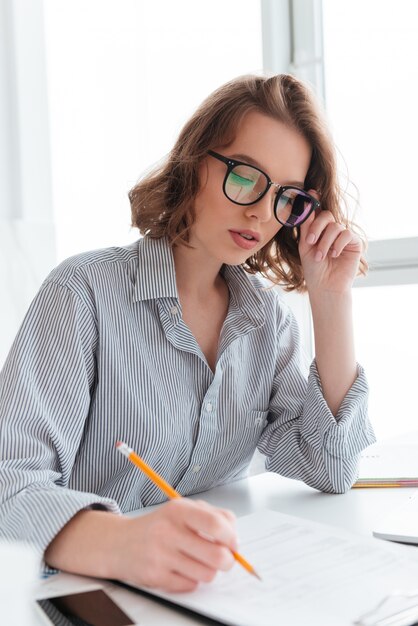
{"x":38,"y":514}
{"x":345,"y":435}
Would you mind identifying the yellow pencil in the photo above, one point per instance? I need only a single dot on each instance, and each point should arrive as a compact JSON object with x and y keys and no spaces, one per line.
{"x":171,"y":493}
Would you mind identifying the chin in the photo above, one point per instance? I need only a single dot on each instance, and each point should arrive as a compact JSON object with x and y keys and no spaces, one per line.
{"x":236,"y":259}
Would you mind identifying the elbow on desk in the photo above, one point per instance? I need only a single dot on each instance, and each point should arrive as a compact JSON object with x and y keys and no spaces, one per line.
{"x":337,"y":489}
{"x":328,"y":487}
{"x":337,"y":479}
{"x":340,"y":469}
{"x":343,"y":482}
{"x":328,"y":484}
{"x":322,"y":470}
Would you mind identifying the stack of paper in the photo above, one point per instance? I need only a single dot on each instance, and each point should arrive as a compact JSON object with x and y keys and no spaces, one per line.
{"x":389,"y":465}
{"x":311,"y":574}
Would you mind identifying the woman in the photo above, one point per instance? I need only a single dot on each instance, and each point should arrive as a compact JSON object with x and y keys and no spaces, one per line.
{"x":177,"y":347}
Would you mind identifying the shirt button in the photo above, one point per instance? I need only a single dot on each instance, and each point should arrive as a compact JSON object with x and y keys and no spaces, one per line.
{"x":174,"y":310}
{"x":209,"y":407}
{"x":196,"y":469}
{"x":259,"y":420}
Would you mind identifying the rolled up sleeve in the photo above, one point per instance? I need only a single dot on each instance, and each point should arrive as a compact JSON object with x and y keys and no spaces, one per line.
{"x":302,"y":438}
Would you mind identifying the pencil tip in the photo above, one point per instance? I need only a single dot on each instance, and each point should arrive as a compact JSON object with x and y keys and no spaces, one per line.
{"x":257,"y":575}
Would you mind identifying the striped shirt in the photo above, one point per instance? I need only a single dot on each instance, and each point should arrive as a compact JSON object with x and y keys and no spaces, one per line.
{"x":103,"y":354}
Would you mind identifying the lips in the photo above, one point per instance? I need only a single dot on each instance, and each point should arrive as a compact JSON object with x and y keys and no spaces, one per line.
{"x":245,"y":239}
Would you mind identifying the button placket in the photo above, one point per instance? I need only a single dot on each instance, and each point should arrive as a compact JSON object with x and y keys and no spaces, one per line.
{"x":207,"y":407}
{"x":207,"y":430}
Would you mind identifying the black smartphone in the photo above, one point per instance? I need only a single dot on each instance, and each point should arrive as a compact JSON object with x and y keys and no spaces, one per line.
{"x":89,"y":608}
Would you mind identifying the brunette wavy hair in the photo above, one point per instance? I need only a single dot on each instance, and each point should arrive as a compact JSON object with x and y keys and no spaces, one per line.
{"x":162,"y":201}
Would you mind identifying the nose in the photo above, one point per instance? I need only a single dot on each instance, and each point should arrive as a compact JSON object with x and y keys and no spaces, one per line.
{"x":263,"y":209}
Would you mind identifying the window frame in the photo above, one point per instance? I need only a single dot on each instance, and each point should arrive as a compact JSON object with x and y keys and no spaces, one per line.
{"x":300,"y":52}
{"x":27,"y":231}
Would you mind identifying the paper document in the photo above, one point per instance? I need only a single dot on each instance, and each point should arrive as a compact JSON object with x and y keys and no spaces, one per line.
{"x":400,"y":523}
{"x":395,"y":464}
{"x":312,"y":574}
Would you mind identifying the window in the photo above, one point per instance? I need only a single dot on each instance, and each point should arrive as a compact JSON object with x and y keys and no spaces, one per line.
{"x":360,"y":57}
{"x":369,"y":65}
{"x":370,"y":52}
{"x":386,"y":343}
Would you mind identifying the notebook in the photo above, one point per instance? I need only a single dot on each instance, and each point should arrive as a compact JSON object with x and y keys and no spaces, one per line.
{"x":390,"y":465}
{"x":401,"y":524}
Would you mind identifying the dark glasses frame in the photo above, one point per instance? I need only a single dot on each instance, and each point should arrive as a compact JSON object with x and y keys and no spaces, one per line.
{"x":231,"y":163}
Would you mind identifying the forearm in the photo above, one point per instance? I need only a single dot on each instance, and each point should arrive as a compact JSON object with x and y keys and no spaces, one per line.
{"x":88,"y":544}
{"x":334,"y":345}
{"x":174,"y":547}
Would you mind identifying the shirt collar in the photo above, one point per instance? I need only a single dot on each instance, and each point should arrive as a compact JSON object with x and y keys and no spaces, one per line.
{"x":156,"y":278}
{"x":245,"y":293}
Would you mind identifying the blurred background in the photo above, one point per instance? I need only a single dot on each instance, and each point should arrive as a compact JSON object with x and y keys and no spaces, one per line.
{"x":94,"y":92}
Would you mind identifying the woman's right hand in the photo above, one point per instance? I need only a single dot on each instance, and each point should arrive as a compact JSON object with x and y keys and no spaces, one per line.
{"x":175,"y":547}
{"x":180,"y":544}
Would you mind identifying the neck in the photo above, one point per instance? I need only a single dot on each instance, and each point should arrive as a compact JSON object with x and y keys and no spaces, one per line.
{"x":196,"y":274}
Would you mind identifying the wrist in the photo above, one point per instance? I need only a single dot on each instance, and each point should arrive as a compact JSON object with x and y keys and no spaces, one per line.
{"x":89,"y":544}
{"x":115,"y":546}
{"x":330,"y":302}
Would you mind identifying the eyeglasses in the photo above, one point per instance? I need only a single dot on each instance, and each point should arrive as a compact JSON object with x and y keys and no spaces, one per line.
{"x":246,"y":184}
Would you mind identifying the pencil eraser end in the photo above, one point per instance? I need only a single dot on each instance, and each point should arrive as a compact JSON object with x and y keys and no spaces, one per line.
{"x":118,"y":444}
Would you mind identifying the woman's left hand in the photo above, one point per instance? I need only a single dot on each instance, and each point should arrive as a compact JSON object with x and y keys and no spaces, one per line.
{"x":329,"y":253}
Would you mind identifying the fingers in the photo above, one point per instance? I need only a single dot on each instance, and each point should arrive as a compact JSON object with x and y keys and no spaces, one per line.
{"x":176,"y":583}
{"x":325,"y":236}
{"x":180,"y":572}
{"x":313,"y":228}
{"x":208,"y":553}
{"x":217,"y":524}
{"x":345,"y":238}
{"x":328,"y":237}
{"x":167,"y":579}
{"x":182,"y":543}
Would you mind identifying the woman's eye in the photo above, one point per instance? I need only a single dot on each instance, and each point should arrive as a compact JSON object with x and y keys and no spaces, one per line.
{"x":236,"y":179}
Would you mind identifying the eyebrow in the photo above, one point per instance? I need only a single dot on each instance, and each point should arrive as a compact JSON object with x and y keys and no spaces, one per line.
{"x":248,"y":159}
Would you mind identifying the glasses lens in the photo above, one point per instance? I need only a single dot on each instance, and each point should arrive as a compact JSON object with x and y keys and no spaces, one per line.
{"x":245,"y":184}
{"x":293,"y":207}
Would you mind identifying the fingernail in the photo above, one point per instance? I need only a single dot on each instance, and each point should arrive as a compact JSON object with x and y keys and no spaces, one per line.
{"x":310,"y":238}
{"x":318,"y":255}
{"x":334,"y":253}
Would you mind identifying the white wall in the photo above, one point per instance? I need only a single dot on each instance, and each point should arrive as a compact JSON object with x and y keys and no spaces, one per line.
{"x":123,"y":78}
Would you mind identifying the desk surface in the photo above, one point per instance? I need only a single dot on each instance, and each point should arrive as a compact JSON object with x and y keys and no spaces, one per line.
{"x":357,"y":511}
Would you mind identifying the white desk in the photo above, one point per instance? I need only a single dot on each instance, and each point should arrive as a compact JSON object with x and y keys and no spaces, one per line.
{"x":357,"y":511}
